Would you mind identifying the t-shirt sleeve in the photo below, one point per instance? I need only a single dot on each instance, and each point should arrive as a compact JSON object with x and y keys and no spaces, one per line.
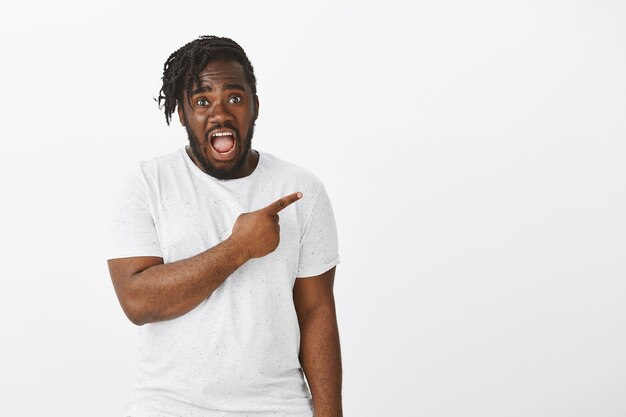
{"x":319,"y":250}
{"x":133,"y":232}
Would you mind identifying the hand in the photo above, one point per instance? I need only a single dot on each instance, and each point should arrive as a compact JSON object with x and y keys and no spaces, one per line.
{"x":257,"y":233}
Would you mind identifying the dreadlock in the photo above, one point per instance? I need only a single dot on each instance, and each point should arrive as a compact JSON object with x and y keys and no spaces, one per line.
{"x":182,"y":68}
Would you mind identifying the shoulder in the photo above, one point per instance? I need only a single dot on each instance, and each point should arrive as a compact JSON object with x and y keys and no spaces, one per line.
{"x":287,"y":172}
{"x":167,"y":163}
{"x":152,"y":174}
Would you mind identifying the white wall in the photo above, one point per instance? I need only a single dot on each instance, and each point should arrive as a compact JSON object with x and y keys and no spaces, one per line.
{"x":474,"y":153}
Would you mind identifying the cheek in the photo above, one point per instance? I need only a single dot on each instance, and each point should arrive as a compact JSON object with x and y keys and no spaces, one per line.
{"x":198,"y":122}
{"x":197,"y":130}
{"x":248,"y":116}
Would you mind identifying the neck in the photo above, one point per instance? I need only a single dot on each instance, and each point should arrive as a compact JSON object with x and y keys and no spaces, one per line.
{"x":249,"y":165}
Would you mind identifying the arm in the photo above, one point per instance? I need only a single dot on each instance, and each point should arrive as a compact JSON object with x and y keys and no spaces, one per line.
{"x":320,"y":353}
{"x":150,"y":291}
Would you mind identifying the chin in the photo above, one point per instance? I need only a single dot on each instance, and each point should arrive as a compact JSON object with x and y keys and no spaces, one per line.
{"x":223,"y":170}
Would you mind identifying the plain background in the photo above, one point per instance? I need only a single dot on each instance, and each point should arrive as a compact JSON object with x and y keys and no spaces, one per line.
{"x":474,"y":153}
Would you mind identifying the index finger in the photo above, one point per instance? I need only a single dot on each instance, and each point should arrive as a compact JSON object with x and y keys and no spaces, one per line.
{"x":281,"y":203}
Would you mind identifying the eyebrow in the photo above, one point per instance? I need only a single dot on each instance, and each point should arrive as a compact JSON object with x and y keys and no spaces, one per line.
{"x":208,"y":89}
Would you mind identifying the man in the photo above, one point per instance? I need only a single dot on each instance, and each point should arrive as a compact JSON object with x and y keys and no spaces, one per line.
{"x":234,"y":302}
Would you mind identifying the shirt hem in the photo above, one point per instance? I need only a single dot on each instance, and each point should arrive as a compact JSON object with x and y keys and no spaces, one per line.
{"x":318,"y":270}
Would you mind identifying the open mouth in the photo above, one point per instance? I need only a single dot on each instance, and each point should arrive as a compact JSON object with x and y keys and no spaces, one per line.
{"x":223,"y":142}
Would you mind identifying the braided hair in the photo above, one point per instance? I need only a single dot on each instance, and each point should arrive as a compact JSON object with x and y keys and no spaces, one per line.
{"x":182,"y":68}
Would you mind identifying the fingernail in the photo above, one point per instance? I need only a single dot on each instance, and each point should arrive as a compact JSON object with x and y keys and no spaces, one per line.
{"x":299,"y":195}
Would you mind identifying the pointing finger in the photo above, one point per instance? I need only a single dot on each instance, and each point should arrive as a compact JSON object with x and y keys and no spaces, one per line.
{"x":281,"y":203}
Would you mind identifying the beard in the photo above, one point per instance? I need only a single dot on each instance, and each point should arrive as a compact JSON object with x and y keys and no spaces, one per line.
{"x":205,"y":164}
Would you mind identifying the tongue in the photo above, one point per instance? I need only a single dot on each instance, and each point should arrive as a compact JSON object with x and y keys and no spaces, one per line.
{"x":223,"y":144}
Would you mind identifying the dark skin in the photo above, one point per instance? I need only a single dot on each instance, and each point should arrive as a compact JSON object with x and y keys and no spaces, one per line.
{"x":320,"y":354}
{"x":223,"y":103}
{"x":151,"y":291}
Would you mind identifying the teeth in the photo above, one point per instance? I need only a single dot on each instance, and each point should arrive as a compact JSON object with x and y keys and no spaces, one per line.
{"x":222,"y":134}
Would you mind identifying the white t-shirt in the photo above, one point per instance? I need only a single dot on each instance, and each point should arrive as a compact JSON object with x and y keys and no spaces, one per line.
{"x":236,"y":353}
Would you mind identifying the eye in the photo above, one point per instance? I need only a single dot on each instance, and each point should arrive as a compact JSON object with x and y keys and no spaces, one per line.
{"x":202,"y":102}
{"x":235,"y":99}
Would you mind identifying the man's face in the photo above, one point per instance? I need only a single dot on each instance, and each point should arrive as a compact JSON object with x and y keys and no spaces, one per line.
{"x":219,"y":118}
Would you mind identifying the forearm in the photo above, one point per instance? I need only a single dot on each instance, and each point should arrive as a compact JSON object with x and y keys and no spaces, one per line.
{"x":150,"y":290}
{"x":320,"y":357}
{"x":166,"y":291}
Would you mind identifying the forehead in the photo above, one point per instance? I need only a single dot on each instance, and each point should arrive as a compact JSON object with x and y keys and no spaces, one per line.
{"x":220,"y":72}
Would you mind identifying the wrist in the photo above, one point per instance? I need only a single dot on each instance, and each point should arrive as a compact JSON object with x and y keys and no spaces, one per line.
{"x":237,"y":250}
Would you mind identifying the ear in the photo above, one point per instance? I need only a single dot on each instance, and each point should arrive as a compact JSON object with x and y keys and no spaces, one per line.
{"x":256,"y":106}
{"x":181,"y":113}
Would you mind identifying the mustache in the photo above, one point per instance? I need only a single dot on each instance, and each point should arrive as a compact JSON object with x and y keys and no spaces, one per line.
{"x":226,"y":125}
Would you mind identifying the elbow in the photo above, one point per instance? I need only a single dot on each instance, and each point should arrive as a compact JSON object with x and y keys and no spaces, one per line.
{"x":136,"y":320}
{"x":134,"y":310}
{"x":134,"y":315}
{"x":129,"y":282}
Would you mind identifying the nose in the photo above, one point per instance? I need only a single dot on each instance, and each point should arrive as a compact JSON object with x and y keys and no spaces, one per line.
{"x":219,"y":113}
